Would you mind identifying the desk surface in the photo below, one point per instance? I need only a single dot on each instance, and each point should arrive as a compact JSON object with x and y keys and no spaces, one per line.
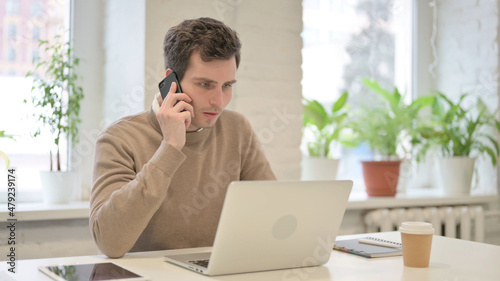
{"x":451,"y":259}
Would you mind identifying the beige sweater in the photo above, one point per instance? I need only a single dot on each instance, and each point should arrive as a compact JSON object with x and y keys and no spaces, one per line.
{"x":147,"y":195}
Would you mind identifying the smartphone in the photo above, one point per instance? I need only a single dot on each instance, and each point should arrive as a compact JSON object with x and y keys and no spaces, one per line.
{"x":165,"y":84}
{"x":92,"y":272}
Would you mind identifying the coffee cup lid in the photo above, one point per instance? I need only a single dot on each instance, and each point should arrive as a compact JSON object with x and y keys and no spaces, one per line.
{"x":416,"y":227}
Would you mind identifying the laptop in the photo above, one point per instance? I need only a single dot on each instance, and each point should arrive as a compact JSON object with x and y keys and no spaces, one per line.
{"x":269,"y":225}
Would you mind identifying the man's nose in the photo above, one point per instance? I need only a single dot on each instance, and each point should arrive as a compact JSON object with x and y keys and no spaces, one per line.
{"x":217,"y":97}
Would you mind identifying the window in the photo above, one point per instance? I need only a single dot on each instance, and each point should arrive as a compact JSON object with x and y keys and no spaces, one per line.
{"x":36,"y":33}
{"x":12,"y":7}
{"x":35,"y":55}
{"x":11,"y":54}
{"x":36,"y":10}
{"x":11,"y":31}
{"x":29,"y":155}
{"x":347,"y":40}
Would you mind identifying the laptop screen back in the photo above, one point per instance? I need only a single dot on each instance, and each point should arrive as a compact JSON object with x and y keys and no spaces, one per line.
{"x":268,"y":225}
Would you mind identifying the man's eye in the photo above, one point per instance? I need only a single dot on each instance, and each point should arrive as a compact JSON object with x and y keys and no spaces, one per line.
{"x":227,"y":85}
{"x":204,"y":85}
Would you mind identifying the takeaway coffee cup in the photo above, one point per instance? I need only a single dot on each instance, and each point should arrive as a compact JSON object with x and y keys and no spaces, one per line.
{"x":416,"y":238}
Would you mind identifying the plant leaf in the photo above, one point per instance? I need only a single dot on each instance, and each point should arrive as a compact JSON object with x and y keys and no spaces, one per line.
{"x":421,"y":102}
{"x":497,"y":125}
{"x":492,"y":155}
{"x":5,"y":158}
{"x":315,"y":114}
{"x":339,"y":104}
{"x":375,"y":86}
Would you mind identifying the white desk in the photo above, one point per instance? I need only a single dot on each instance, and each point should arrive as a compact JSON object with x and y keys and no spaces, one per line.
{"x":451,"y":260}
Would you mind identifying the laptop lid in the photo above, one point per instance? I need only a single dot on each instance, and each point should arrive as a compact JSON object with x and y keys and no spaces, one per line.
{"x":267,"y":225}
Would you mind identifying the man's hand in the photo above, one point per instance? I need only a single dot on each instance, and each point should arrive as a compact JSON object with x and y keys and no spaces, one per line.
{"x":173,"y":121}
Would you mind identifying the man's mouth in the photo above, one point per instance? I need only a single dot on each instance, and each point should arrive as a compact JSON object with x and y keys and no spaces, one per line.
{"x":211,"y":114}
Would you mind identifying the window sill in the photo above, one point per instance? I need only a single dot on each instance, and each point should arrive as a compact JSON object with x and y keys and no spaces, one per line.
{"x":43,"y":212}
{"x":422,"y":197}
{"x":357,"y":201}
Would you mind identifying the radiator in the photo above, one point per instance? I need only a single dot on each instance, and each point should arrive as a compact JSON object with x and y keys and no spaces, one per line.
{"x":464,"y":222}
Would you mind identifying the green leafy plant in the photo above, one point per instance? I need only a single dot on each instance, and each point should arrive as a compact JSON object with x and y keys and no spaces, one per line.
{"x":325,"y":126}
{"x":2,"y":154}
{"x":56,"y":95}
{"x":390,"y":125}
{"x":457,"y":130}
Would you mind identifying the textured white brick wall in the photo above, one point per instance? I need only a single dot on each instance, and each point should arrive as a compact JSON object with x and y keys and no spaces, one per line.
{"x":467,"y":49}
{"x":467,"y":32}
{"x":268,"y":91}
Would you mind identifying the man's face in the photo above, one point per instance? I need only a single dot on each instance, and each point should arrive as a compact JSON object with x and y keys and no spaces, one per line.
{"x":209,"y":85}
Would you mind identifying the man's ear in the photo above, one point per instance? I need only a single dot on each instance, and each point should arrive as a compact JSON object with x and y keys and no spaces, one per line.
{"x":169,"y":70}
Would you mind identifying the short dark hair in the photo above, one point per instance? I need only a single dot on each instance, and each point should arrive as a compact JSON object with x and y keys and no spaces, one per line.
{"x":212,"y":38}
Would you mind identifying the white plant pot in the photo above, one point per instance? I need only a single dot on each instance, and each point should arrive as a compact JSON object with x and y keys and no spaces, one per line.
{"x":319,"y":168}
{"x":456,"y":174}
{"x":426,"y":171}
{"x":57,"y":187}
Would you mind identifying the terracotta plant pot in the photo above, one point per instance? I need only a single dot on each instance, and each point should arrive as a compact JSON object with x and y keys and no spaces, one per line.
{"x":381,"y":177}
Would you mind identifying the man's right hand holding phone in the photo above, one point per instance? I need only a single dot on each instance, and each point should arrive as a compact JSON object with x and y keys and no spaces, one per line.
{"x":174,"y":116}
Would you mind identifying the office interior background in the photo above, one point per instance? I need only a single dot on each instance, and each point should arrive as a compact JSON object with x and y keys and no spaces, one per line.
{"x":291,"y":49}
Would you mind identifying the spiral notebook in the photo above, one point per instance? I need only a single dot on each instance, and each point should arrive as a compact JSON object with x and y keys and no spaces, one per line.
{"x":352,"y":246}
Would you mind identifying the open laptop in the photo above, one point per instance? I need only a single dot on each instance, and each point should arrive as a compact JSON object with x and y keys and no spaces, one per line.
{"x":268,"y":225}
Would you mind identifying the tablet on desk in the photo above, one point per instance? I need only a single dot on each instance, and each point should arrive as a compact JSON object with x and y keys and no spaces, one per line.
{"x":94,"y":271}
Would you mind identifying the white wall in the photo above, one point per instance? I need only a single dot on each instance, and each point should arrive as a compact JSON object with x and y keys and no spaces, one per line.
{"x":88,"y":20}
{"x":123,"y":42}
{"x":269,"y":90}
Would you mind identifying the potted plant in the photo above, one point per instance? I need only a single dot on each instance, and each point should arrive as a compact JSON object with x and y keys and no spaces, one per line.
{"x":460,"y":134}
{"x":324,"y":128}
{"x":2,"y":154}
{"x":387,"y":129}
{"x":56,"y":98}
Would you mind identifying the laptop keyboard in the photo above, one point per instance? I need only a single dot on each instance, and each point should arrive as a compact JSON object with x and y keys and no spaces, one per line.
{"x":202,"y":263}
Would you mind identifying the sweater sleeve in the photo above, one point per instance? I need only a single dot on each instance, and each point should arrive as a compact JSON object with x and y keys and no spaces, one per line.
{"x":255,"y":165}
{"x":122,"y":201}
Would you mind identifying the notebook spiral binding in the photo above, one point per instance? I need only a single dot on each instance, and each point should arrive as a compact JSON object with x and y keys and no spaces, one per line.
{"x":383,"y":240}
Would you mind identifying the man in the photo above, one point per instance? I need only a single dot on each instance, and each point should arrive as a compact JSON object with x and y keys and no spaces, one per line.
{"x":160,"y":176}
